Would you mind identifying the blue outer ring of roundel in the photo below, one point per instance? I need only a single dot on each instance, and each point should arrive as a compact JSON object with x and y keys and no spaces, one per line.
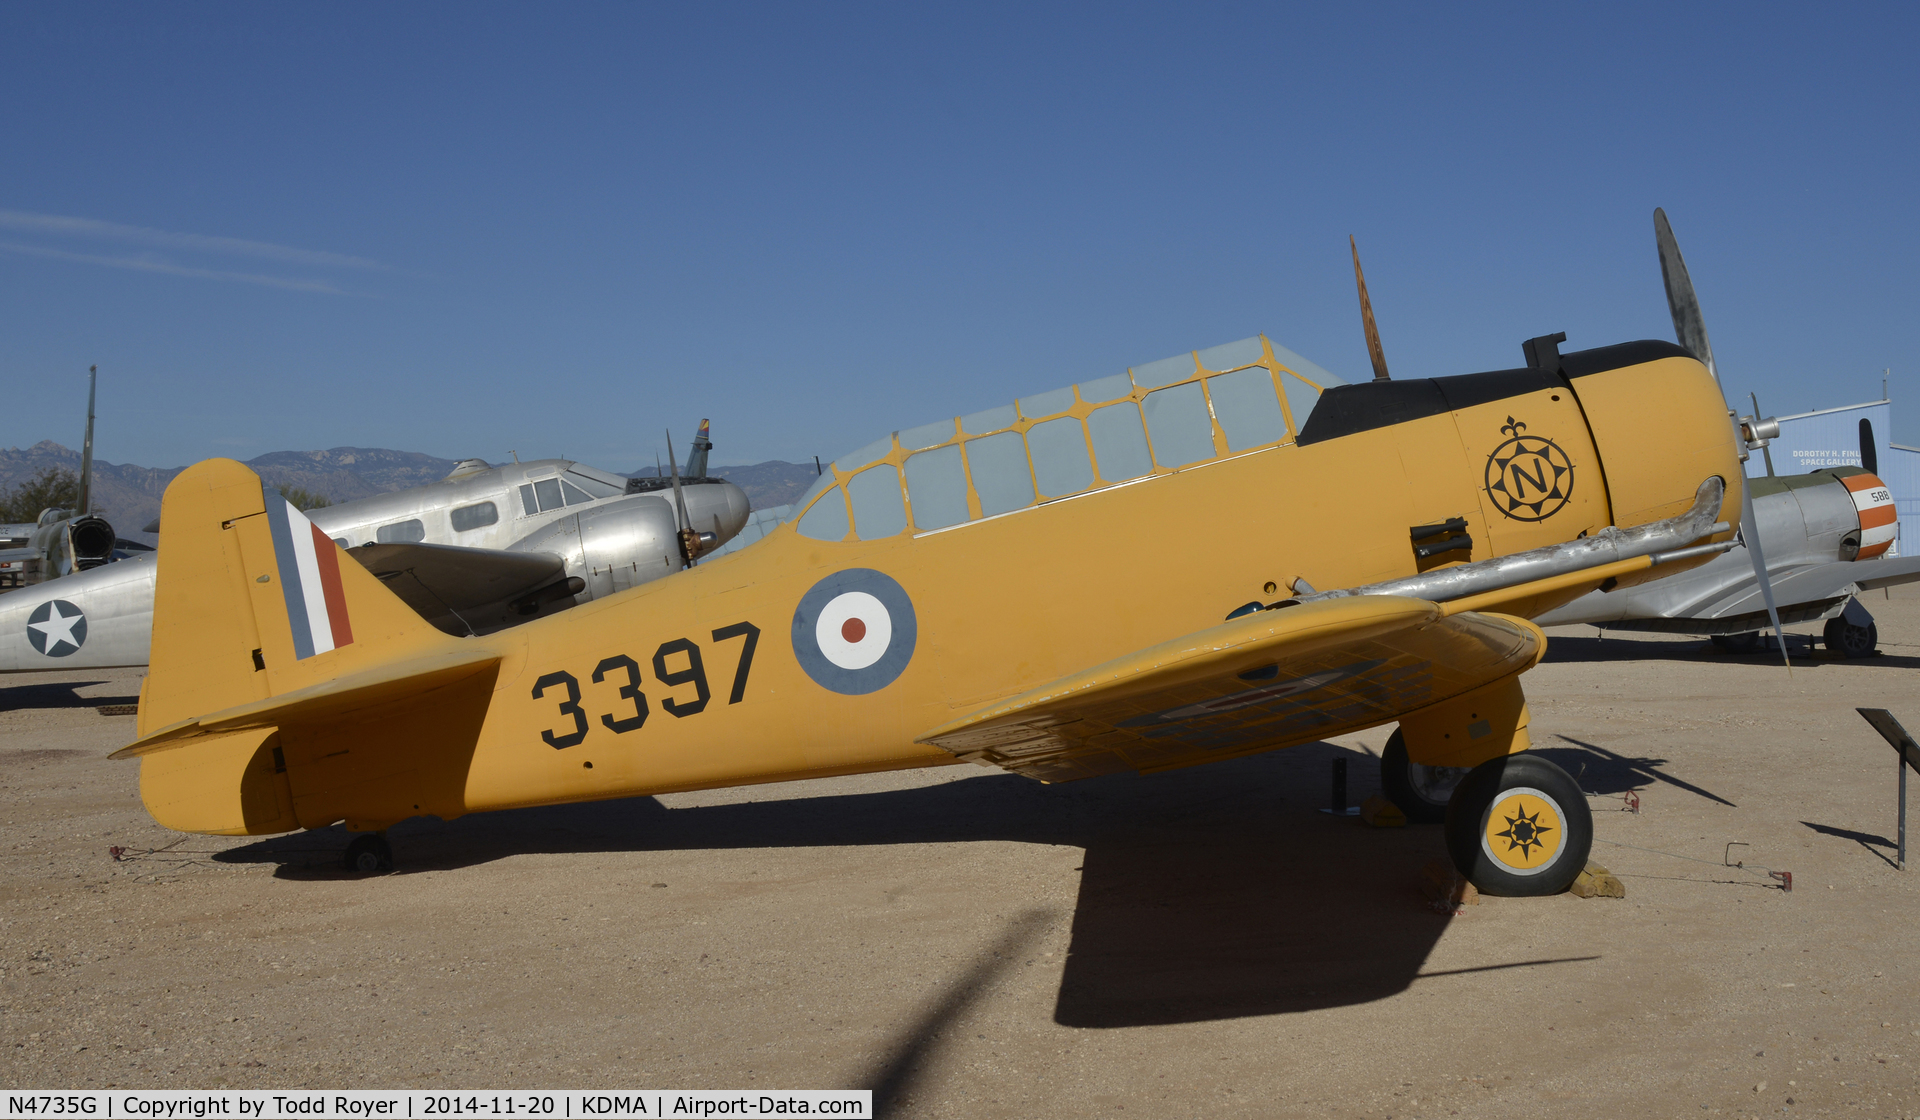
{"x":880,"y":674}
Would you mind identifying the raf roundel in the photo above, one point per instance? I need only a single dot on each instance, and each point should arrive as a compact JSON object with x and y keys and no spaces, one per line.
{"x":854,"y":631}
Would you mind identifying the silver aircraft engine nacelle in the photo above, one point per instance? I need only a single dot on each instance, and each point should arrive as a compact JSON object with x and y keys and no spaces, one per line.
{"x":624,"y":544}
{"x":612,"y":547}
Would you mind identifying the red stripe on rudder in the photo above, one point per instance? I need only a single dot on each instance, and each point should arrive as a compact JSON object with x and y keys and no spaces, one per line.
{"x":1875,"y":516}
{"x":327,"y":554}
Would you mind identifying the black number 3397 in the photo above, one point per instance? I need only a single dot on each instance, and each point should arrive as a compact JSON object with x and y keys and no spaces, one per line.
{"x":676,"y":664}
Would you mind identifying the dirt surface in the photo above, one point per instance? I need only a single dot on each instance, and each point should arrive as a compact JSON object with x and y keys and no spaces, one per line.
{"x":969,"y":943}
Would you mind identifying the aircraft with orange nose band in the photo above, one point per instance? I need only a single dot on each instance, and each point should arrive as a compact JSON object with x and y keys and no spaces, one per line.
{"x":1039,"y":587}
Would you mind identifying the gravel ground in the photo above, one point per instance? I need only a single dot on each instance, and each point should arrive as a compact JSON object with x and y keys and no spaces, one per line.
{"x":970,"y":943}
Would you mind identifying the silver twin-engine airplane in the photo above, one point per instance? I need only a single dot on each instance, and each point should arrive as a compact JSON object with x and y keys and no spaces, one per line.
{"x":480,"y":550}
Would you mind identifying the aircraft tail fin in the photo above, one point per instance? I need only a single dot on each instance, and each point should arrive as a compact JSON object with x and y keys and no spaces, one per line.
{"x":286,"y":683}
{"x":252,"y":601}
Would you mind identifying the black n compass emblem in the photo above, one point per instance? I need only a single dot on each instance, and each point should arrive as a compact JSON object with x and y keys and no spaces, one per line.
{"x":1529,"y":478}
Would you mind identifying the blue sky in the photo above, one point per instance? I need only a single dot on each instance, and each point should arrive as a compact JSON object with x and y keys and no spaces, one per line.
{"x":465,"y":229}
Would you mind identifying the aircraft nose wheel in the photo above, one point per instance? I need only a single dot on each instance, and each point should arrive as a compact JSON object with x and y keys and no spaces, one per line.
{"x":1519,"y":826}
{"x":1421,"y":792}
{"x":369,"y":854}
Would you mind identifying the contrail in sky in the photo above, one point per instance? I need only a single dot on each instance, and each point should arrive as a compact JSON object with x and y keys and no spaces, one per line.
{"x":28,"y":222}
{"x":146,"y":264}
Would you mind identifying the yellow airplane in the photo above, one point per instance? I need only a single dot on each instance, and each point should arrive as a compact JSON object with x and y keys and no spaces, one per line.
{"x":1038,"y":587}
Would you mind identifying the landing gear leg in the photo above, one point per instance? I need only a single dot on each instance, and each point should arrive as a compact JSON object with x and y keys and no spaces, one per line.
{"x":1519,"y":826}
{"x":1421,"y":792}
{"x":369,"y":854}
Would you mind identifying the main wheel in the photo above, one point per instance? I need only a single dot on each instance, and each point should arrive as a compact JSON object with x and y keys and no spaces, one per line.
{"x":1421,"y":792}
{"x":369,"y":854}
{"x":1848,"y":640}
{"x":1519,"y":825}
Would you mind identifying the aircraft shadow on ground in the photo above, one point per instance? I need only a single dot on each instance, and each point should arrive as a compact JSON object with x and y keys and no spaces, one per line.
{"x":56,"y":694}
{"x":1208,"y":893}
{"x":1606,"y":773}
{"x":1623,"y":647}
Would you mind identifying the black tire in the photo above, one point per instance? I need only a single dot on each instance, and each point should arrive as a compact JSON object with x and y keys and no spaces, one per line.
{"x":1421,"y":792}
{"x":369,"y":854}
{"x":1847,"y":640}
{"x":1504,"y":860}
{"x":1749,"y":642}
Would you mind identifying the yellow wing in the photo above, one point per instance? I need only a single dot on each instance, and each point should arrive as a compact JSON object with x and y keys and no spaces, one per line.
{"x":1270,"y":679}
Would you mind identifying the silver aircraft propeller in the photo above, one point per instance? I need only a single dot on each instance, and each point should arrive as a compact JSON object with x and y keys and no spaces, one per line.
{"x":682,"y":521}
{"x":1690,"y":330}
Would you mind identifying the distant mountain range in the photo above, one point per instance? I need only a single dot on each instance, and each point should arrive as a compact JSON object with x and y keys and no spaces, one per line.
{"x":129,"y":495}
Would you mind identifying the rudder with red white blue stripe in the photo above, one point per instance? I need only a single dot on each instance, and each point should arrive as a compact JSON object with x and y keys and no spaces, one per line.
{"x":308,"y":568}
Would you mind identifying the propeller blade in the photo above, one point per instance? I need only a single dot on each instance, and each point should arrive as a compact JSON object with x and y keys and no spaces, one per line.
{"x":1689,"y":329}
{"x":1378,"y":355}
{"x":1764,"y":451}
{"x":1750,"y":534}
{"x":1869,"y":455}
{"x":689,"y":540}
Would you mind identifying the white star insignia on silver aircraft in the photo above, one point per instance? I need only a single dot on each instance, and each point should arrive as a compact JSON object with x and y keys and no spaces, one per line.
{"x":59,"y":628}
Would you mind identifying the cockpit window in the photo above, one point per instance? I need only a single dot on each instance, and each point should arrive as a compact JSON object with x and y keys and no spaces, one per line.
{"x":1059,"y":449}
{"x":1000,"y":474}
{"x":827,"y":520}
{"x":1178,"y":424}
{"x":527,"y":499}
{"x":1247,"y":408}
{"x":877,"y":508}
{"x":1120,"y":442}
{"x":937,"y":486}
{"x":548,"y":491}
{"x":575,"y":495}
{"x":820,"y":483}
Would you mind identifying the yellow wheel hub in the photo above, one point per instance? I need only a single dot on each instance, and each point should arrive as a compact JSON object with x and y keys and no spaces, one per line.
{"x":1525,"y":832}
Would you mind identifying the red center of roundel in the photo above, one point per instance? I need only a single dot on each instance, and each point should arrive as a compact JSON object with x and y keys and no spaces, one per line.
{"x":853,"y":630}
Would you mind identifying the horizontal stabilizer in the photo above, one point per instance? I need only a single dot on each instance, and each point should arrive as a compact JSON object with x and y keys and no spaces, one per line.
{"x":330,"y":700}
{"x":1269,"y":679}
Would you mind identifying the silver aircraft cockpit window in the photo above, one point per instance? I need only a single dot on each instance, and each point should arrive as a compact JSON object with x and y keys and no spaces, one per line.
{"x":527,"y":499}
{"x":548,"y":491}
{"x":1000,"y":474}
{"x":827,"y":520}
{"x":937,"y":486}
{"x":877,"y":508}
{"x":1178,"y":424}
{"x":477,"y":516}
{"x":575,"y":496}
{"x":1120,"y":442}
{"x":402,"y":532}
{"x":1247,"y":407}
{"x":1059,"y":449}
